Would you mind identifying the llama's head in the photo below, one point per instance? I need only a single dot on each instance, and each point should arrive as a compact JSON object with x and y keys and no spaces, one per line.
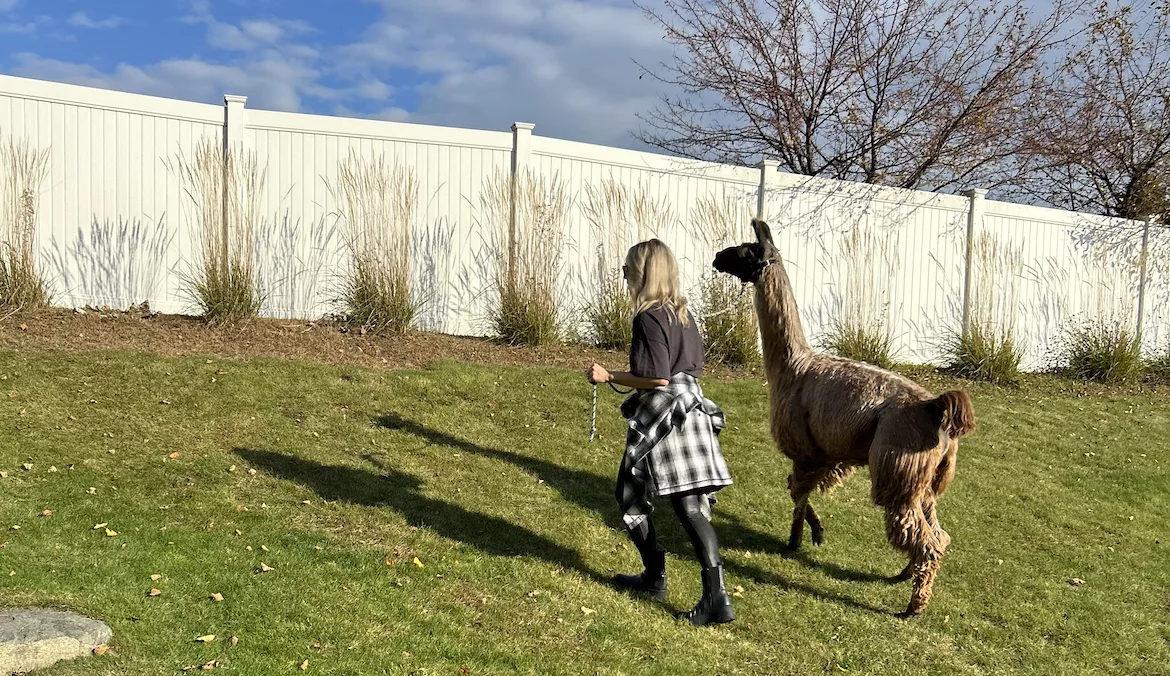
{"x":748,"y":260}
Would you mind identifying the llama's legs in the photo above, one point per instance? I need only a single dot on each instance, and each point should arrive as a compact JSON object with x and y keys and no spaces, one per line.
{"x":941,"y":537}
{"x":801,"y":484}
{"x":814,"y":524}
{"x":910,"y":529}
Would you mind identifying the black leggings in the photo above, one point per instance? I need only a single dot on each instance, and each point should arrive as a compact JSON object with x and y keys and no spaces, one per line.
{"x":688,"y":508}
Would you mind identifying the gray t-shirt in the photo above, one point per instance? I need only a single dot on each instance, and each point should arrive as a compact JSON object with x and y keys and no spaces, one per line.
{"x":662,"y":346}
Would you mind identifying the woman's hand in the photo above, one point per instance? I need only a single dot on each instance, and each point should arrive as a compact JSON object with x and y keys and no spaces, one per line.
{"x":596,"y":373}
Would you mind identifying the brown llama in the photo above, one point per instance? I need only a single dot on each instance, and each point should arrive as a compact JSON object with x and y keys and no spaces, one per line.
{"x":831,"y":415}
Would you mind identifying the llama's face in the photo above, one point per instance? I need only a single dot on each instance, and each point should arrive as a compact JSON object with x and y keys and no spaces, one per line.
{"x":744,"y":262}
{"x":747,"y":261}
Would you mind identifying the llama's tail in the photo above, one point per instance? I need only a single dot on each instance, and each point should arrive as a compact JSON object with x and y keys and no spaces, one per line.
{"x":958,"y":415}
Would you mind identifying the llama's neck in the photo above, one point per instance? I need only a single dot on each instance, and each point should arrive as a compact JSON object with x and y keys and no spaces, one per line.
{"x":785,"y":345}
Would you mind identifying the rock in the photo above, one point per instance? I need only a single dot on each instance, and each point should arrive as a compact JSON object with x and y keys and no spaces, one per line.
{"x":36,"y":637}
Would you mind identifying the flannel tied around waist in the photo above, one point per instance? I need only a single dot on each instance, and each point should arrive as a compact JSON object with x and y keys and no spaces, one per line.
{"x":672,"y":446}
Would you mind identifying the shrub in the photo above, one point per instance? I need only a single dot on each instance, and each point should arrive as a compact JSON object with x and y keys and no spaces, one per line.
{"x":377,"y":211}
{"x":224,"y":189}
{"x":729,"y":328}
{"x":619,"y":216}
{"x":1103,"y":351}
{"x":24,"y":170}
{"x":728,"y":320}
{"x":988,"y":349}
{"x":610,"y":317}
{"x":527,"y":241}
{"x":986,"y":354}
{"x":860,"y":327}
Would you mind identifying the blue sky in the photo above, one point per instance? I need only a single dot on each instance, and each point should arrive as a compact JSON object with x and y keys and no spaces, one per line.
{"x":566,"y":65}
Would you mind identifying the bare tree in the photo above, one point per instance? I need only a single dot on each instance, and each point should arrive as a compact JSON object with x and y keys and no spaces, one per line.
{"x":1104,"y":146}
{"x":910,"y":93}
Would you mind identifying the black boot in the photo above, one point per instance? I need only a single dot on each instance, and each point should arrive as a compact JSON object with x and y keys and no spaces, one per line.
{"x":715,"y":606}
{"x":651,"y":581}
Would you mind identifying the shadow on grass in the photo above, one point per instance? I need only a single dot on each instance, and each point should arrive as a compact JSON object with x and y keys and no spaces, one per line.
{"x":596,"y":493}
{"x":401,"y":492}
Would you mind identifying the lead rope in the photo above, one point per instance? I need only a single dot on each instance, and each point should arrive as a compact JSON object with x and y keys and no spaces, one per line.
{"x":593,"y":423}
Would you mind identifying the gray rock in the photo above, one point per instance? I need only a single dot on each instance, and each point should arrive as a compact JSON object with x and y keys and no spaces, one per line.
{"x":34,"y":638}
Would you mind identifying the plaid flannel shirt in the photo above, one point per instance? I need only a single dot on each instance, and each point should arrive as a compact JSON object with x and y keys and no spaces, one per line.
{"x":672,"y":446}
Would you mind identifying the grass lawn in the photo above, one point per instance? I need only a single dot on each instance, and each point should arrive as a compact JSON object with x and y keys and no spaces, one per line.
{"x":455,"y":518}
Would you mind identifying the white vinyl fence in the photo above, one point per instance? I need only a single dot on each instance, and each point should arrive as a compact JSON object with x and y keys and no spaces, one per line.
{"x":116,"y":228}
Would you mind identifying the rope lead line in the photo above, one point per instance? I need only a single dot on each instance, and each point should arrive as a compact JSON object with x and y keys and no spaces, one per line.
{"x":593,"y":423}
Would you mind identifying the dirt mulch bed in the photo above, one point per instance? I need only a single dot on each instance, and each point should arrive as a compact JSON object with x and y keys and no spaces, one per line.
{"x":169,"y":335}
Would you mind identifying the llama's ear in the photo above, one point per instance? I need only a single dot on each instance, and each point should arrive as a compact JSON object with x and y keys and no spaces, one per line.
{"x":763,"y":232}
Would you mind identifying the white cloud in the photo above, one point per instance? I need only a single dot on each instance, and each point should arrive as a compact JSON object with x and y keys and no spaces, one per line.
{"x":82,"y":20}
{"x":566,"y":65}
{"x":8,"y":5}
{"x":18,"y":28}
{"x":272,"y":84}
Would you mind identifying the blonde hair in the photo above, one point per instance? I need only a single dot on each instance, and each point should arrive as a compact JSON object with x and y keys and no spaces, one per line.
{"x":652,"y":274}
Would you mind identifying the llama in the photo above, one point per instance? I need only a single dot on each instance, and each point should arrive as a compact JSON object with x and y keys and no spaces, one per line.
{"x":831,"y":415}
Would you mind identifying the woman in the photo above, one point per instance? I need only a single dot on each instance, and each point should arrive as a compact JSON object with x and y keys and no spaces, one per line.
{"x":672,"y":445}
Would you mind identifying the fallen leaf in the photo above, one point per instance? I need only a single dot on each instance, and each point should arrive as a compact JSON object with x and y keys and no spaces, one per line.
{"x":305,"y":665}
{"x":238,"y":532}
{"x":232,"y":468}
{"x":737,"y":591}
{"x":265,"y":568}
{"x":317,"y":548}
{"x":588,"y":611}
{"x":27,"y":466}
{"x":52,"y":468}
{"x":3,"y":475}
{"x":263,"y":548}
{"x":235,"y":640}
{"x":252,"y":472}
{"x":389,"y":561}
{"x":154,"y":592}
{"x":91,"y":491}
{"x":249,"y":548}
{"x":156,"y":577}
{"x":100,"y":526}
{"x":533,"y":594}
{"x":217,"y":597}
{"x":111,"y":533}
{"x":174,"y":455}
{"x":205,"y":639}
{"x":306,"y":502}
{"x":164,"y":402}
{"x":11,"y":395}
{"x":1076,"y":582}
{"x":417,"y":562}
{"x":101,"y":650}
{"x":464,"y":670}
{"x":209,"y":666}
{"x":47,"y":512}
{"x":24,"y":327}
{"x":16,"y":528}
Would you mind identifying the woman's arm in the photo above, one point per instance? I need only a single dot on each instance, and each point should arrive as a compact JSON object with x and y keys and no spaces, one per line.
{"x":597,"y":374}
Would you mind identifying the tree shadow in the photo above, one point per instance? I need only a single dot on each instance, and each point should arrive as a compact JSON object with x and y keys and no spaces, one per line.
{"x":401,"y":492}
{"x":596,"y":493}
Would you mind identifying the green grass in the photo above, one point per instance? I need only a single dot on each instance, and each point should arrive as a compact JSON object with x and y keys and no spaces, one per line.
{"x":485,"y":475}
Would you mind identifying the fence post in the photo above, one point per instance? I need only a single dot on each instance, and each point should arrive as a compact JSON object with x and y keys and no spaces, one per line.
{"x":233,"y":144}
{"x":974,"y":215}
{"x":768,"y":169}
{"x":521,"y":154}
{"x":233,"y":128}
{"x":1141,"y":308}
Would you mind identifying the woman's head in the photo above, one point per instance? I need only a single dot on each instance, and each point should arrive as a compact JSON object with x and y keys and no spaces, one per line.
{"x":651,"y":273}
